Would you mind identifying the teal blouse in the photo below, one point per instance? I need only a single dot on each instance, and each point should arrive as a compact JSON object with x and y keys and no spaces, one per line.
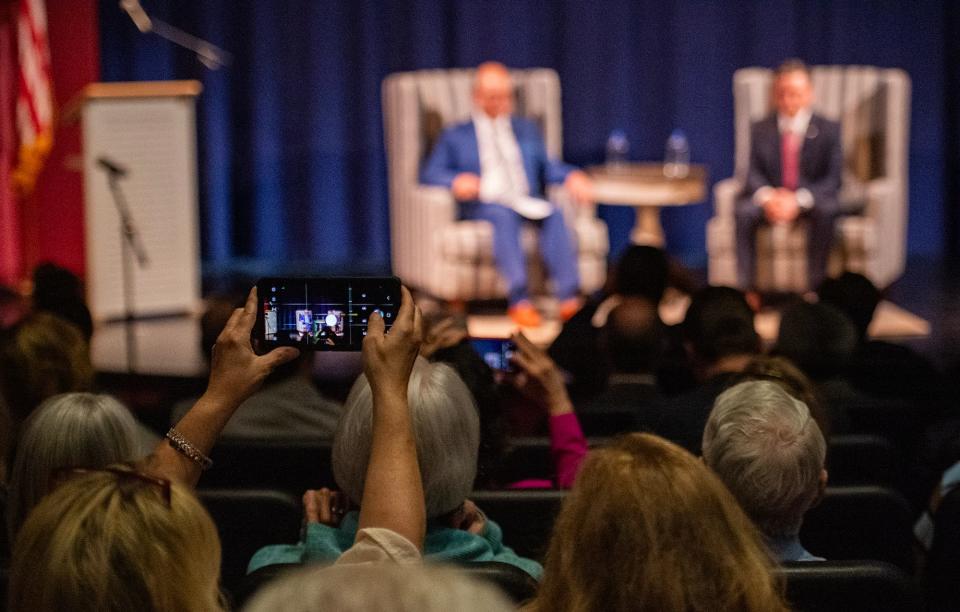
{"x":324,"y":544}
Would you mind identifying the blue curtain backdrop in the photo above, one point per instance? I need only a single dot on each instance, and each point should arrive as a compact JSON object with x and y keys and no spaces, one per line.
{"x":293,"y":172}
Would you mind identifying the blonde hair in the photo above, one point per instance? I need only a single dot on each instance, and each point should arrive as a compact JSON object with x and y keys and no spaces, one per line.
{"x":108,"y":542}
{"x":648,"y":527}
{"x":44,"y":355}
{"x":68,"y":430}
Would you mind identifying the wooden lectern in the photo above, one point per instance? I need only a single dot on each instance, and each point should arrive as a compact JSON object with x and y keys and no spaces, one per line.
{"x":140,"y":145}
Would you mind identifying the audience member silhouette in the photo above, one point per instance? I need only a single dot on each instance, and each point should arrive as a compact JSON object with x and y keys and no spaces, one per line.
{"x":398,"y":588}
{"x":720,"y":340}
{"x":65,"y":431}
{"x":446,"y":430}
{"x":632,"y":342}
{"x":121,"y":539}
{"x":288,"y":406}
{"x":877,"y":367}
{"x":40,"y":357}
{"x":766,"y":447}
{"x":821,"y":340}
{"x":59,"y":291}
{"x":648,"y":527}
{"x":642,"y":271}
{"x":116,"y":540}
{"x":782,"y":371}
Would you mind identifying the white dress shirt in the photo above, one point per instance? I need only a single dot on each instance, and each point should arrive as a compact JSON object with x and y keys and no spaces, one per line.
{"x":503,"y":178}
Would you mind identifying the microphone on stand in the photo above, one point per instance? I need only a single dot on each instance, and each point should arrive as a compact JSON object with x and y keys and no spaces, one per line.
{"x":111,"y":166}
{"x":137,"y":15}
{"x":208,"y":54}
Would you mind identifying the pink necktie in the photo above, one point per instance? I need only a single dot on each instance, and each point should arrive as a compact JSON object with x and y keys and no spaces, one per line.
{"x":790,"y":159}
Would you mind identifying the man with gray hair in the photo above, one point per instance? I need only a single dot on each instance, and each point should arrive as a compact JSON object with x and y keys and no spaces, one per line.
{"x":765,"y":446}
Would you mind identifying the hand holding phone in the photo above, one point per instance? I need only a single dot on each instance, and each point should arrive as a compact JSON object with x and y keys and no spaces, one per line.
{"x":496,"y":353}
{"x":539,"y":378}
{"x":323,"y":314}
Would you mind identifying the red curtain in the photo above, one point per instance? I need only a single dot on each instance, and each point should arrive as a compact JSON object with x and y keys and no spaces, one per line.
{"x":11,"y":257}
{"x":48,"y":224}
{"x":53,"y":215}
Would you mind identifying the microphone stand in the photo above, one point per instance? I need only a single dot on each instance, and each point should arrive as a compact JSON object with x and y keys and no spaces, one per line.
{"x":129,"y":245}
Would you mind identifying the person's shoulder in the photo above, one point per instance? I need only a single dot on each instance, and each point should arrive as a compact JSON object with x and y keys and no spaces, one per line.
{"x":455,"y":131}
{"x":524,"y":126}
{"x":824,"y":124}
{"x":524,"y":121}
{"x":765,"y":123}
{"x":459,"y":127}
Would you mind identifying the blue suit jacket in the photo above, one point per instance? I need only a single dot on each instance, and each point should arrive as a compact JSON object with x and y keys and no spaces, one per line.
{"x":457,"y":151}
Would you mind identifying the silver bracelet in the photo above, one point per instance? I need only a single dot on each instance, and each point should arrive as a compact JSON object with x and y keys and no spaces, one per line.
{"x":183,"y":446}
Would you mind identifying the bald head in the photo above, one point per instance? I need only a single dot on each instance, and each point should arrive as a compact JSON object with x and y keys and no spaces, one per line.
{"x":493,"y":89}
{"x":633,"y":336}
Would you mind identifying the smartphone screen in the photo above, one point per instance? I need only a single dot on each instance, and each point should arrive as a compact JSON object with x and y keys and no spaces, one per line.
{"x":323,"y":314}
{"x":496,"y":352}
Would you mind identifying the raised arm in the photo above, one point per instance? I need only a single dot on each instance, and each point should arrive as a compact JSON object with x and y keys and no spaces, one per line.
{"x":235,"y":373}
{"x":393,"y":491}
{"x":541,"y":381}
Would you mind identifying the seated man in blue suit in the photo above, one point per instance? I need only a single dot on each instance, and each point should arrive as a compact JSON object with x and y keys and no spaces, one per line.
{"x":795,"y":170}
{"x":497,"y":167}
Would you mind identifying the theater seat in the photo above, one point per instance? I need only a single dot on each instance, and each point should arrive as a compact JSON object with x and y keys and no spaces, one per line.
{"x":942,"y":570}
{"x":515,"y":583}
{"x":247,"y":520}
{"x":530,"y":457}
{"x":849,"y":586}
{"x":861,"y":522}
{"x":863,"y":459}
{"x":526,"y":517}
{"x":292,"y":465}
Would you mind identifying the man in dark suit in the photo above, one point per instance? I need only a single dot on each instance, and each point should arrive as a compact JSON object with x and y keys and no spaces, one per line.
{"x":497,"y":166}
{"x":796,"y":165}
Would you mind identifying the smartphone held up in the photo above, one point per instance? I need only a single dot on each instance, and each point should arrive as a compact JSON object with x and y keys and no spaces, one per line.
{"x":496,"y":353}
{"x":322,"y":314}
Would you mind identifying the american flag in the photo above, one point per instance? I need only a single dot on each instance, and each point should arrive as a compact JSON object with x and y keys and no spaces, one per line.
{"x":34,"y":110}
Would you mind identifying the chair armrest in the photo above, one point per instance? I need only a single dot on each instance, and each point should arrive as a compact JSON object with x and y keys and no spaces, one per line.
{"x":879,"y":194}
{"x":572,"y":211}
{"x":725,"y":194}
{"x":418,"y":214}
{"x":886,"y":206}
{"x":435,"y":205}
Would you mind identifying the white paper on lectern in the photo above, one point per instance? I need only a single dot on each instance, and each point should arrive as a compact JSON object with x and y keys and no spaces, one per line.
{"x":155,"y":140}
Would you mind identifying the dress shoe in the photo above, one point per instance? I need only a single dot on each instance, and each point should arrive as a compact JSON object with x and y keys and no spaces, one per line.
{"x":524,"y":314}
{"x":569,"y":307}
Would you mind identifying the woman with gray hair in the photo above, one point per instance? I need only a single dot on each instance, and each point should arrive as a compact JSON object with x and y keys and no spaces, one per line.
{"x":68,"y":430}
{"x":384,"y":586}
{"x":447,"y":432}
{"x":769,"y":451}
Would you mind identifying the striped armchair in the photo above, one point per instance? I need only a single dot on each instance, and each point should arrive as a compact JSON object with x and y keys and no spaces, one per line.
{"x":431,"y":249}
{"x":873,"y":108}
